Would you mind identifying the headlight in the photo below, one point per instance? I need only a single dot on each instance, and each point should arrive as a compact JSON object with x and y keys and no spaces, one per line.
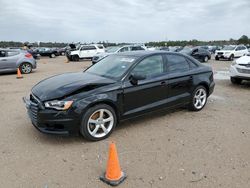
{"x":58,"y":105}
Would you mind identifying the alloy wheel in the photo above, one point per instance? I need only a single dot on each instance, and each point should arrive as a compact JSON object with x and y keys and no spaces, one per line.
{"x":26,"y":68}
{"x":100,"y":123}
{"x":200,"y":98}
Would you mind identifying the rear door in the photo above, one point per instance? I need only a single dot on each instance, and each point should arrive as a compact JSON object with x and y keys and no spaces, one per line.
{"x":238,"y":51}
{"x":92,"y":51}
{"x":180,"y":79}
{"x":149,"y":93}
{"x":8,"y":59}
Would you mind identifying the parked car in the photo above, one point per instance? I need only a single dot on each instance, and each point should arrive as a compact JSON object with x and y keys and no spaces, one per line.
{"x":62,"y":51}
{"x":240,"y":69}
{"x":85,"y":52}
{"x":34,"y":53}
{"x":116,"y":49}
{"x":230,"y":52}
{"x":49,"y":52}
{"x":212,"y":49}
{"x":198,"y":53}
{"x":118,"y":87}
{"x":10,"y":60}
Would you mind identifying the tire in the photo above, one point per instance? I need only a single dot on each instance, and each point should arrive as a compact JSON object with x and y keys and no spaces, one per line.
{"x":231,"y":58}
{"x":25,"y":68}
{"x":235,"y":80}
{"x":52,"y":55}
{"x":199,"y":96}
{"x":205,"y":59}
{"x":217,"y":58}
{"x":75,"y":58}
{"x":63,"y":54}
{"x":100,"y":128}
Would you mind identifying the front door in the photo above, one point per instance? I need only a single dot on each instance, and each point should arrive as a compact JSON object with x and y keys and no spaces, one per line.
{"x":148,"y":93}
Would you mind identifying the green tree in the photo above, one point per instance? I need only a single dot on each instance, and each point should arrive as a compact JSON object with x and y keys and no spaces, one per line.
{"x":243,"y":40}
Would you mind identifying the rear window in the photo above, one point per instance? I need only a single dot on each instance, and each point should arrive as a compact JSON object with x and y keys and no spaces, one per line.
{"x":177,"y":64}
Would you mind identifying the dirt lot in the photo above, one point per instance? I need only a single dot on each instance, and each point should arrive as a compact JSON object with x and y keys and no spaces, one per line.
{"x":177,"y":148}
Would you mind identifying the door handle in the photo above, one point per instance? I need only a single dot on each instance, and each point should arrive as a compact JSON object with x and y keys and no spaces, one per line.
{"x":163,"y":83}
{"x":4,"y":60}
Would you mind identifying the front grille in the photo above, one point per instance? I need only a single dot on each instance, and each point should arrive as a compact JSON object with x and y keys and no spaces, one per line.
{"x":244,"y":71}
{"x":33,"y":109}
{"x":220,"y":53}
{"x":245,"y":65}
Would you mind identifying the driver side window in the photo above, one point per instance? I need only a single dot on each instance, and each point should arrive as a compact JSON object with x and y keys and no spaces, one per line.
{"x":2,"y":53}
{"x":150,"y":67}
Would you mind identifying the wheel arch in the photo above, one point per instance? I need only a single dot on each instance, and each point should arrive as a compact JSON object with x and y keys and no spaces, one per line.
{"x":109,"y":103}
{"x":204,"y":84}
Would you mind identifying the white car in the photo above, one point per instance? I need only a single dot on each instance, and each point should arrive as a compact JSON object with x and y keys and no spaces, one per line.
{"x":240,"y":70}
{"x":117,"y":49}
{"x":230,"y":52}
{"x":85,"y":52}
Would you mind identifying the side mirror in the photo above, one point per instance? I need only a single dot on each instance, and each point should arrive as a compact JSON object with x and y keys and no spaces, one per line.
{"x":134,"y":78}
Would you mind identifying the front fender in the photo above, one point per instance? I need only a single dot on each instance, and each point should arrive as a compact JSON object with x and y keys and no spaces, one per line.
{"x":111,"y":99}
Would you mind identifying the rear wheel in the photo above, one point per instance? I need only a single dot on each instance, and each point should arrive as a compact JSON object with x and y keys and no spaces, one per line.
{"x":98,"y":122}
{"x":235,"y":80}
{"x":199,"y":99}
{"x":25,"y":68}
{"x":217,"y":58}
{"x":231,"y":58}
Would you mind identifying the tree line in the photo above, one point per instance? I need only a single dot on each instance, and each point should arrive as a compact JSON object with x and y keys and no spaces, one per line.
{"x":242,"y":40}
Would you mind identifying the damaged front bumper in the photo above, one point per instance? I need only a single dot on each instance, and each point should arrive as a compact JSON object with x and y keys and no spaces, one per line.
{"x":51,"y":121}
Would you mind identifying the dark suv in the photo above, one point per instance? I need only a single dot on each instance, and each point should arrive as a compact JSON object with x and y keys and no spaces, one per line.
{"x":120,"y":86}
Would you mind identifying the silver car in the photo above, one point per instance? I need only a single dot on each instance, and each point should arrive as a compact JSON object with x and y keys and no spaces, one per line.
{"x":11,"y":59}
{"x":116,"y":49}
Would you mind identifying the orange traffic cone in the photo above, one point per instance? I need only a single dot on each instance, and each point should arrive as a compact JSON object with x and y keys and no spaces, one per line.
{"x":113,"y":176}
{"x":19,"y":75}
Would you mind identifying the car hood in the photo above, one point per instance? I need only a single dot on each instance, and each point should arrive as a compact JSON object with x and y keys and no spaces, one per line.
{"x":243,"y":60}
{"x":63,"y":85}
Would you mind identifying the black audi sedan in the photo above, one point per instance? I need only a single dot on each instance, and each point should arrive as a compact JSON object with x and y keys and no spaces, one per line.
{"x":198,"y":53}
{"x":118,"y":87}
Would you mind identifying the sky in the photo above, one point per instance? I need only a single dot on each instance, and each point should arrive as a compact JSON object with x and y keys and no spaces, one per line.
{"x":123,"y":20}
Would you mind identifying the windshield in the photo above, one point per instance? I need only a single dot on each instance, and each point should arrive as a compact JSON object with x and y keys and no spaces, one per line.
{"x":112,"y":49}
{"x":186,"y":50}
{"x":113,"y":66}
{"x":229,"y":48}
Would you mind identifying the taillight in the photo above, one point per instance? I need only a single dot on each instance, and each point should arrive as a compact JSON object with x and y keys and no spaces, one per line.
{"x":28,"y":55}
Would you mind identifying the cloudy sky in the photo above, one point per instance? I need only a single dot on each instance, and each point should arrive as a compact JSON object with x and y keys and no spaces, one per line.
{"x":123,"y":20}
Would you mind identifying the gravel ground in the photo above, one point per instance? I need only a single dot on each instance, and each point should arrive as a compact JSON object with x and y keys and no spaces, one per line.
{"x":177,"y":148}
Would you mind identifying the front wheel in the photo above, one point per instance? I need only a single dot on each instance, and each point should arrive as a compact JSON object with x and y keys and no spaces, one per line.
{"x":235,"y":80}
{"x":98,"y":122}
{"x":205,"y":59}
{"x":25,"y":68}
{"x":199,"y":99}
{"x":52,"y":55}
{"x":217,"y":58}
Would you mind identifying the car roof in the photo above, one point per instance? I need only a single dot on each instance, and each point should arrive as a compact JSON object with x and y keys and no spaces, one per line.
{"x":11,"y":50}
{"x":142,"y":53}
